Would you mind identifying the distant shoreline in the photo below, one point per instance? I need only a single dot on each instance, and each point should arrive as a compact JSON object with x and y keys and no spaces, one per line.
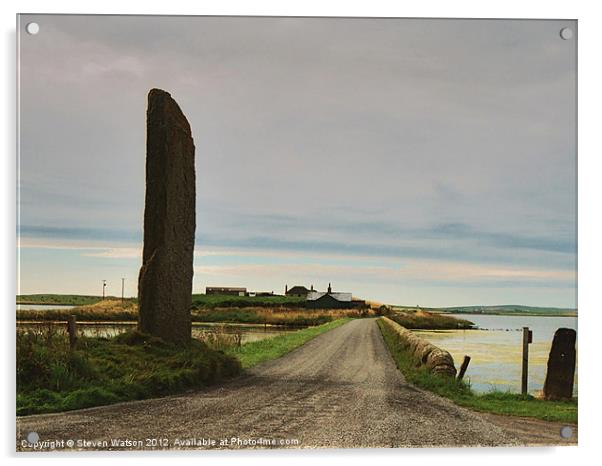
{"x":271,"y":301}
{"x":510,"y":314}
{"x":37,"y":303}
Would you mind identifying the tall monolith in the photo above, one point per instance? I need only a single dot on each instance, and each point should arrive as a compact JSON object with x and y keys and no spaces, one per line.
{"x":165,"y":280}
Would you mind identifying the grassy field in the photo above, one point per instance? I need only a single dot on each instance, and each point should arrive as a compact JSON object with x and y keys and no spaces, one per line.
{"x":99,"y":371}
{"x":127,"y":311}
{"x":253,"y":353}
{"x":428,"y":320}
{"x":66,"y":299}
{"x":203,"y":301}
{"x":461,"y":394}
{"x":199,"y":301}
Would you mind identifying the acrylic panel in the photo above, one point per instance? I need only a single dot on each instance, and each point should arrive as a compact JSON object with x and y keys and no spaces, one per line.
{"x":295,"y":232}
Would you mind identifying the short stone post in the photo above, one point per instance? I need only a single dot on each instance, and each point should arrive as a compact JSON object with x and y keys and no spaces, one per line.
{"x":561,"y":366}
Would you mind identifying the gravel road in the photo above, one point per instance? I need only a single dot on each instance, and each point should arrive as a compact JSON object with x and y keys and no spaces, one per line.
{"x":340,"y":390}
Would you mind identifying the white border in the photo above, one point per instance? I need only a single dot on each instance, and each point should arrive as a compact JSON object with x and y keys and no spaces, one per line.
{"x":590,"y":231}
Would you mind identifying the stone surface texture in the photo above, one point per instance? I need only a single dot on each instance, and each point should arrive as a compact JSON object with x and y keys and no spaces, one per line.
{"x":561,"y":366}
{"x":165,"y":280}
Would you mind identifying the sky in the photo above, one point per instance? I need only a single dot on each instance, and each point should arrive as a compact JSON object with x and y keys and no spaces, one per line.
{"x":408,"y":161}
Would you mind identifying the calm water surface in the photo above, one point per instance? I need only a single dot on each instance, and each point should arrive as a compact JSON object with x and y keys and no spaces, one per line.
{"x":495,"y":349}
{"x":42,"y":307}
{"x":248,"y":332}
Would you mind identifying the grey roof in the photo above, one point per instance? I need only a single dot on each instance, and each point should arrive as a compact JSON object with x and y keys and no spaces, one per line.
{"x":313,"y":295}
{"x":297,"y":289}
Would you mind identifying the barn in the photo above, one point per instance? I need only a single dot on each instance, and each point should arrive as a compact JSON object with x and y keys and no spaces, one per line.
{"x":331,"y":300}
{"x":321,"y":300}
{"x":297,"y":291}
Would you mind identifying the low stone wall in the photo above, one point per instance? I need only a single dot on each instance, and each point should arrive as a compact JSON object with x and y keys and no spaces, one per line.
{"x":424,"y":353}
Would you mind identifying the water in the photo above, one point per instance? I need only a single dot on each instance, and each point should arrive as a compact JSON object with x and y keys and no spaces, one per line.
{"x":42,"y":307}
{"x":495,"y":349}
{"x":248,"y":332}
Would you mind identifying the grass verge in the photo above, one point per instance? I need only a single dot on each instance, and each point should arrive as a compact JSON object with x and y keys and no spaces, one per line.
{"x":253,"y":353}
{"x":100,"y":371}
{"x":460,"y":393}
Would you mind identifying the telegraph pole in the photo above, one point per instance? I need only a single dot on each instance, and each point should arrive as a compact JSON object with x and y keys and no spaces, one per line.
{"x":122,"y":287}
{"x":104,"y":285}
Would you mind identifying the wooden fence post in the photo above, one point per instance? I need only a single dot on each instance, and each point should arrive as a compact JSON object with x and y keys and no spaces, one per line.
{"x":463,"y":367}
{"x":72,"y":330}
{"x":527,"y":338}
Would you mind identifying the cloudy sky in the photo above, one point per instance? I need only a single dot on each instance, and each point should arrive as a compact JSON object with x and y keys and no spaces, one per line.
{"x":427,"y":162}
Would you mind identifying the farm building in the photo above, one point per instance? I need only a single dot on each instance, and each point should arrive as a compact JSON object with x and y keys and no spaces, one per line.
{"x":260,"y":293}
{"x":332,"y":300}
{"x":297,"y":291}
{"x":226,"y":290}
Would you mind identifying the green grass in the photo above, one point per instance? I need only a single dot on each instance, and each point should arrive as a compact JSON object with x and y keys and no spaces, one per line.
{"x":131,"y":366}
{"x":428,"y":320}
{"x":200,"y":301}
{"x":460,"y":393}
{"x":67,"y":299}
{"x":253,"y":353}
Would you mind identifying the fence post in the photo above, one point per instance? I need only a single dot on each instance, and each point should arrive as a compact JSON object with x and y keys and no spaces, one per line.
{"x":463,"y":367}
{"x":527,"y":338}
{"x":72,"y":330}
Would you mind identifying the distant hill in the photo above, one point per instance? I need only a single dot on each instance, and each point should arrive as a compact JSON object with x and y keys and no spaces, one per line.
{"x":511,"y":309}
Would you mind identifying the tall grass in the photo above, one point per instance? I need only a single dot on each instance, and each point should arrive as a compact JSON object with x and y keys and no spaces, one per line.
{"x":108,"y":310}
{"x":428,"y":320}
{"x":219,"y":338}
{"x":279,"y":316}
{"x":51,"y":377}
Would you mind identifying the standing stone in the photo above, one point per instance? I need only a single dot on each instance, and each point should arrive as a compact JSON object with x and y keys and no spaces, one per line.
{"x":561,"y":366}
{"x":165,"y":280}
